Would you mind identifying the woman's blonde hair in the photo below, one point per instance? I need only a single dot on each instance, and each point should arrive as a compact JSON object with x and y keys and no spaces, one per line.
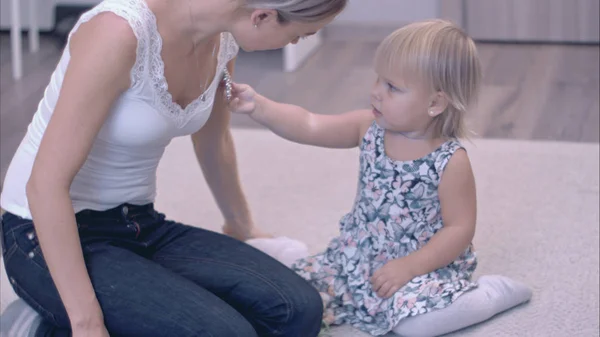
{"x":445,"y":58}
{"x":301,"y":10}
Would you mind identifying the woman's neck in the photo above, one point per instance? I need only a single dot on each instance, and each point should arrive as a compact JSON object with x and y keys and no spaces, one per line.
{"x":192,"y":21}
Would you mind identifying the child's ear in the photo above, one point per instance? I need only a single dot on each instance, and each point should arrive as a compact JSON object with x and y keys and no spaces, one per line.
{"x":439,"y":103}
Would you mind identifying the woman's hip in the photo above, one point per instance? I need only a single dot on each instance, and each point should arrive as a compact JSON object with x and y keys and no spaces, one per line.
{"x":26,"y":268}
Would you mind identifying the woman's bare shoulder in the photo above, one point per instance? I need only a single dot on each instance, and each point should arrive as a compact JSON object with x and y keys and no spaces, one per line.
{"x":105,"y":30}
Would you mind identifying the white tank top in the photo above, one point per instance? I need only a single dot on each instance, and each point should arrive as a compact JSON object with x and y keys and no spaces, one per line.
{"x":121,"y":166}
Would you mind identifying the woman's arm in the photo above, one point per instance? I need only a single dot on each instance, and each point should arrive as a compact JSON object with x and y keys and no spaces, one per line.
{"x":299,"y":125}
{"x":459,"y":213}
{"x":215,"y":150}
{"x":102,"y":54}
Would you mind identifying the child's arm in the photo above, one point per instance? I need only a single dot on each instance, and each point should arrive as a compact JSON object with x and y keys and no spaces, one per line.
{"x":459,"y":208}
{"x":299,"y":125}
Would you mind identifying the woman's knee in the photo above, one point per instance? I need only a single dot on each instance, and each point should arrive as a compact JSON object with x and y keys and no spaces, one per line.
{"x":283,"y":305}
{"x":303,"y":314}
{"x":238,"y":327}
{"x":171,"y":319}
{"x":199,"y":328}
{"x":307,"y":309}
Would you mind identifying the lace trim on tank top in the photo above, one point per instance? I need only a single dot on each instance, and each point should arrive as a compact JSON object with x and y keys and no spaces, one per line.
{"x":149,"y":61}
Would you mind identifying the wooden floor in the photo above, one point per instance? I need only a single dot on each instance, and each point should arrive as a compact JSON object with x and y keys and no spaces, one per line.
{"x":537,"y":92}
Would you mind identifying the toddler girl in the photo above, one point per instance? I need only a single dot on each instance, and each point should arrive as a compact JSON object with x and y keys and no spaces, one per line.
{"x":403,"y":260}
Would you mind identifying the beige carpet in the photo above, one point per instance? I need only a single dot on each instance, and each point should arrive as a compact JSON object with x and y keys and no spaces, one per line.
{"x":538,"y":216}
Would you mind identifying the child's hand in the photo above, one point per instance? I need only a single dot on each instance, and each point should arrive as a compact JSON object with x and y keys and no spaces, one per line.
{"x":242,"y":99}
{"x":388,"y":279}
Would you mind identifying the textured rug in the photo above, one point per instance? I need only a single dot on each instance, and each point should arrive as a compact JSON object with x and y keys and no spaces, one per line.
{"x":538,"y":216}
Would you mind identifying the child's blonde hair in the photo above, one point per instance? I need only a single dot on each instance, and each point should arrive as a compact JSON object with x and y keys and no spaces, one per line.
{"x":445,"y":58}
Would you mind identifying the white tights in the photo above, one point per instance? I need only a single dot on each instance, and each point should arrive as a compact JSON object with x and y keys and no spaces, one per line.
{"x":494,"y":295}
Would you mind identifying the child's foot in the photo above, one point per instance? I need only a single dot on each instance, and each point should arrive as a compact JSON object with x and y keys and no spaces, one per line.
{"x":503,"y":292}
{"x":494,"y":295}
{"x":19,"y":320}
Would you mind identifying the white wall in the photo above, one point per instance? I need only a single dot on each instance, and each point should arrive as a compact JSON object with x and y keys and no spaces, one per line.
{"x":386,"y":12}
{"x":368,"y":12}
{"x":45,"y":11}
{"x":77,"y":2}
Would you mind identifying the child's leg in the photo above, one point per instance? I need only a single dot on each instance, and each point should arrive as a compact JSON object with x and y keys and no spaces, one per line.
{"x":494,"y":295}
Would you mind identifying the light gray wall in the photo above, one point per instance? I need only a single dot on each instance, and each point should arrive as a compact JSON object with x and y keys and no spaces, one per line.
{"x":362,"y":12}
{"x":77,"y":2}
{"x":45,"y":11}
{"x":388,"y":12}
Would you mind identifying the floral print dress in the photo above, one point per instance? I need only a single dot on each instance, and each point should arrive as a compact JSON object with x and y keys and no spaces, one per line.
{"x":396,"y":212}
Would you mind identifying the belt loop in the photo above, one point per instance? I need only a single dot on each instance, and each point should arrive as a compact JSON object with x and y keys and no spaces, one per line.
{"x":125,"y":211}
{"x":151,"y":210}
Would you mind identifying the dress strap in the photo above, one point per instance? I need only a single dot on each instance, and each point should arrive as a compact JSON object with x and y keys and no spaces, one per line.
{"x":378,"y":136}
{"x":373,"y":139}
{"x":444,"y":153}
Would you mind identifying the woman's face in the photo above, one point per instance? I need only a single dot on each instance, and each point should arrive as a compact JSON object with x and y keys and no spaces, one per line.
{"x":263,"y":31}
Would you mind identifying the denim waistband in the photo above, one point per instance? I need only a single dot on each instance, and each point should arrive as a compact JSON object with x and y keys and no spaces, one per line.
{"x":121,"y":212}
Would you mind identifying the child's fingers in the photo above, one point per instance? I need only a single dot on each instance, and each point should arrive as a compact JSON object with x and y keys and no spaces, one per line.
{"x":391,"y":291}
{"x":237,"y":88}
{"x":377,"y":282}
{"x":235,"y":103}
{"x":377,"y":278}
{"x":384,"y":289}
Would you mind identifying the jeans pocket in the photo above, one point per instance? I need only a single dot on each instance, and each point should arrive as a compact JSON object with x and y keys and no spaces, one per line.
{"x":36,"y":255}
{"x":25,"y":239}
{"x":9,"y":246}
{"x":2,"y":244}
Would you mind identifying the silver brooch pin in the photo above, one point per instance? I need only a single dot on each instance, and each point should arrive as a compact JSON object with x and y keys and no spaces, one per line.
{"x":228,"y":86}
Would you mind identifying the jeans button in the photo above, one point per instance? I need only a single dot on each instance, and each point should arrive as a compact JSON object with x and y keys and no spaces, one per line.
{"x":31,"y":255}
{"x":30,"y":236}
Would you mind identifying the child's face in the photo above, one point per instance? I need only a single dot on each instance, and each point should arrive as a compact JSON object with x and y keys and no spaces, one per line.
{"x":400,"y":105}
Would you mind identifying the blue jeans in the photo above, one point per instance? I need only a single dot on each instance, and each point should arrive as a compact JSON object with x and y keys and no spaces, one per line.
{"x":155,"y":277}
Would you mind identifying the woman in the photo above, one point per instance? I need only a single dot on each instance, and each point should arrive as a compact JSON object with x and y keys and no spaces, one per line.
{"x":82,"y":242}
